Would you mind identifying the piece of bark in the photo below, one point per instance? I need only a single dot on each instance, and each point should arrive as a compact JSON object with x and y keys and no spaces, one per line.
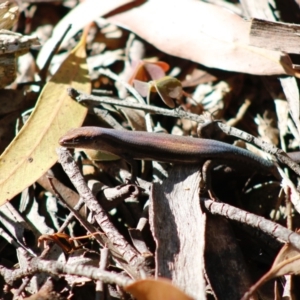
{"x":275,"y":36}
{"x":127,"y":256}
{"x":177,"y":224}
{"x":224,"y":263}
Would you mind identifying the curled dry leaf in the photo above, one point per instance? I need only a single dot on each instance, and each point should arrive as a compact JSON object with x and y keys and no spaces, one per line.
{"x":160,"y":289}
{"x":286,"y":262}
{"x":64,"y":241}
{"x":146,"y":70}
{"x":32,"y":152}
{"x":203,"y":33}
{"x":61,"y":239}
{"x":168,"y":88}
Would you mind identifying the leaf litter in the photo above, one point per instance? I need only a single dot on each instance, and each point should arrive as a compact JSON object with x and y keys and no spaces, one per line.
{"x":172,"y":61}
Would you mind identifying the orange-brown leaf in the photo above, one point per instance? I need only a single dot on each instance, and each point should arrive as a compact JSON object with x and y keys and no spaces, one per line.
{"x":161,"y":289}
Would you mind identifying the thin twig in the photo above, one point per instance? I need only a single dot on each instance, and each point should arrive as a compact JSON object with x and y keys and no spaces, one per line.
{"x":130,"y":88}
{"x":133,"y":91}
{"x":175,"y":113}
{"x":71,"y":216}
{"x":56,"y":268}
{"x":116,"y":242}
{"x":89,"y":227}
{"x":269,"y":148}
{"x":101,"y":288}
{"x":271,"y":228}
{"x":44,"y":70}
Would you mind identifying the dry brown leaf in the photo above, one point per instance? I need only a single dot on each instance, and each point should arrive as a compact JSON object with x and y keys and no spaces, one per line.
{"x":32,"y":152}
{"x":203,"y":33}
{"x":286,"y":262}
{"x":168,"y":89}
{"x":160,"y":289}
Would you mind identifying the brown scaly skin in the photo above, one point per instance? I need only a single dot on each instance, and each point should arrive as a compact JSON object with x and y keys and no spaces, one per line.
{"x":163,"y":147}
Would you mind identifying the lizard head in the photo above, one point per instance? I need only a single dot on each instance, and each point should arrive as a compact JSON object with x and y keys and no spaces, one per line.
{"x":82,"y":137}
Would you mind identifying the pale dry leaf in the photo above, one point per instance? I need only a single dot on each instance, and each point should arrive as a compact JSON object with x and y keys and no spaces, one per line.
{"x":9,"y":13}
{"x":205,"y":34}
{"x":86,"y":12}
{"x":287,"y":261}
{"x":266,"y":128}
{"x":37,"y":220}
{"x":286,"y":183}
{"x":14,"y":223}
{"x":135,"y":118}
{"x":258,"y":9}
{"x":26,"y":68}
{"x":291,"y":91}
{"x":282,"y":112}
{"x":32,"y":152}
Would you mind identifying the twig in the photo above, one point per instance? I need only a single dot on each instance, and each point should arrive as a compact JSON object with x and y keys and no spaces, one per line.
{"x":240,"y":114}
{"x":22,"y":287}
{"x":273,"y":229}
{"x":175,"y":113}
{"x":71,"y":216}
{"x":107,"y":117}
{"x":89,"y":227}
{"x":10,"y":240}
{"x":101,"y":287}
{"x":116,"y":242}
{"x":74,"y":210}
{"x":269,"y":148}
{"x":130,"y":88}
{"x":108,"y":197}
{"x":56,"y":268}
{"x":44,"y":70}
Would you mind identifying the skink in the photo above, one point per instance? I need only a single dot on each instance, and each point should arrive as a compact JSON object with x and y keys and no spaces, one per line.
{"x":141,"y":145}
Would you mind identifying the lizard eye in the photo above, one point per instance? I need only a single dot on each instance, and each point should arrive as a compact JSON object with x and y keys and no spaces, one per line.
{"x":75,"y":141}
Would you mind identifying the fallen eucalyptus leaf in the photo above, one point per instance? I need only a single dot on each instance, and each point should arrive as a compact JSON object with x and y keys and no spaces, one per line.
{"x":206,"y":34}
{"x":32,"y":152}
